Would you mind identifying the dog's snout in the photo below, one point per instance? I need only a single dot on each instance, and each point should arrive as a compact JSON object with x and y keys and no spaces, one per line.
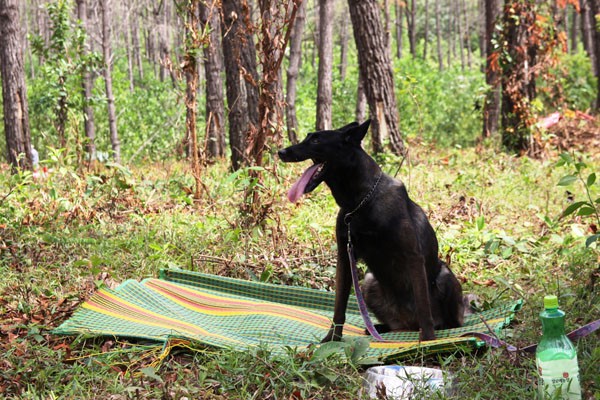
{"x":286,"y":155}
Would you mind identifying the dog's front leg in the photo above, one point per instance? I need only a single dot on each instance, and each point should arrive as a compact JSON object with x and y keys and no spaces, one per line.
{"x":418,"y":280}
{"x":343,"y":282}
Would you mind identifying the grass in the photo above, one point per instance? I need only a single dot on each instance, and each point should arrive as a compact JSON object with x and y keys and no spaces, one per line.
{"x":63,"y":237}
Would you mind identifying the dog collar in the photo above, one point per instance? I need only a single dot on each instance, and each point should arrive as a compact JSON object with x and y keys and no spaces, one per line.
{"x":365,"y":199}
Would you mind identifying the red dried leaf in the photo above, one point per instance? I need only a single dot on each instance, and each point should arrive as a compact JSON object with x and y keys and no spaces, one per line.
{"x":494,"y":62}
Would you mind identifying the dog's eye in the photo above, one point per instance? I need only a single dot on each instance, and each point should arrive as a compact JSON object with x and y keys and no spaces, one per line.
{"x":314,"y":141}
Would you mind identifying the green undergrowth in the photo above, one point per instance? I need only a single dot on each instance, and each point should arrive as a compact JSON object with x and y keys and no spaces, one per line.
{"x":498,"y":220}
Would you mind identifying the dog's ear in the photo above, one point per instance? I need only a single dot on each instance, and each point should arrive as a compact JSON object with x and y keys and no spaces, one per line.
{"x":345,"y":128}
{"x":356,"y":133}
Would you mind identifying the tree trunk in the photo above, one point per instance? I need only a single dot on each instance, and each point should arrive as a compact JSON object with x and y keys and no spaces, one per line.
{"x":517,"y":79}
{"x":361,"y":101}
{"x":213,"y":65}
{"x":426,"y":33}
{"x":375,"y":68}
{"x":135,"y":41}
{"x":481,"y":28}
{"x":450,"y":37}
{"x":128,"y":51}
{"x":324,"y":84}
{"x":575,"y":22}
{"x":399,"y":11}
{"x":190,"y":69}
{"x":491,"y":107}
{"x":467,"y":39}
{"x":163,"y":39}
{"x":150,"y":38}
{"x":107,"y":72}
{"x":292,"y":73}
{"x":411,"y":27}
{"x":386,"y":26}
{"x":458,"y":19}
{"x":14,"y":92}
{"x":273,"y":37}
{"x":451,"y":33}
{"x":86,"y":85}
{"x":343,"y":42}
{"x":26,"y":42}
{"x":438,"y":34}
{"x":588,"y":27}
{"x":316,"y":33}
{"x":241,"y":79}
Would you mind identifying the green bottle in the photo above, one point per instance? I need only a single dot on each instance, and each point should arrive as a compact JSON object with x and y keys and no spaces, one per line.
{"x":556,"y":357}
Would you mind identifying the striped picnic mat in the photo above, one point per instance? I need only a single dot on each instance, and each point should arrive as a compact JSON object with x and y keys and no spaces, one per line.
{"x":232,"y":313}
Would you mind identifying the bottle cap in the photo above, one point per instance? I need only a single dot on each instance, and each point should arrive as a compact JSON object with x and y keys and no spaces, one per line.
{"x":550,"y":302}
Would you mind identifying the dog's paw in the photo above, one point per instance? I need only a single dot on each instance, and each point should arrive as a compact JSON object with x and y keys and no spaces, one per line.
{"x":331,"y":338}
{"x":334,"y":335}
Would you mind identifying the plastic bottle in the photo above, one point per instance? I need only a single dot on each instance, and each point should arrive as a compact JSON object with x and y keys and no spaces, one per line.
{"x":35,"y":158}
{"x":556,"y":357}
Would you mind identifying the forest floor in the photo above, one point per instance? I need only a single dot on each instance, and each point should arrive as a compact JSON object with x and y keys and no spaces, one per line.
{"x":497,"y":217}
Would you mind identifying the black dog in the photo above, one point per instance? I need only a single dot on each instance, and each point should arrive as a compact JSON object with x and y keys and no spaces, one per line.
{"x":408,"y":287}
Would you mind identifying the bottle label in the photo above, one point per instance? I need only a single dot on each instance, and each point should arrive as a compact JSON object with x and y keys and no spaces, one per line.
{"x":559,"y":379}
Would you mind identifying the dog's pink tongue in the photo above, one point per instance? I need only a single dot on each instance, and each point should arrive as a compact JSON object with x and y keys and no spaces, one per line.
{"x":297,"y":190}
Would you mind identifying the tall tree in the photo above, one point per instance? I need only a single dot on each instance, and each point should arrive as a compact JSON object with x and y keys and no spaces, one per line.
{"x":517,"y":66}
{"x":14,"y":92}
{"x":361,"y":101}
{"x":481,"y":28}
{"x":575,"y":22}
{"x":451,"y":31}
{"x":190,"y":69}
{"x":276,"y":22}
{"x":588,"y":27}
{"x":426,"y":30}
{"x":438,"y":35}
{"x":467,"y":38}
{"x":275,"y":28}
{"x":241,"y":77}
{"x":86,"y":88}
{"x":376,"y":70}
{"x":58,"y":56}
{"x":149,"y":37}
{"x":324,"y":84}
{"x":491,"y":107}
{"x":161,"y":16}
{"x":459,"y":28}
{"x":213,"y":65}
{"x":107,"y":72}
{"x":135,"y":40}
{"x":294,"y":65}
{"x":411,"y":26}
{"x":128,"y":46}
{"x":386,"y":26}
{"x":344,"y":17}
{"x":399,"y":5}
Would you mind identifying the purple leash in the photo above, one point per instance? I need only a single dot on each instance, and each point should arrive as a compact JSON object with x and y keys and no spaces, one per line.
{"x":494,"y":342}
{"x":362,"y":306}
{"x":359,"y":297}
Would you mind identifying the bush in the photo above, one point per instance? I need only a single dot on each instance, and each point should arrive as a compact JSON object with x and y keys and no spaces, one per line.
{"x":444,"y":107}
